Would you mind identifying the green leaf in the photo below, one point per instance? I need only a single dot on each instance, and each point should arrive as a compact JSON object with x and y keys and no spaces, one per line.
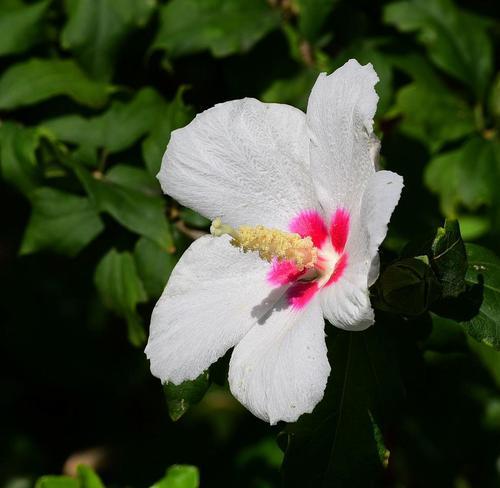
{"x":88,"y":478}
{"x":60,"y":222}
{"x":312,"y":16}
{"x":406,"y":287}
{"x":294,"y":91}
{"x":180,"y":476}
{"x":168,"y":116}
{"x":194,"y":219}
{"x":121,"y":289}
{"x":433,"y":116}
{"x":473,"y":227}
{"x":449,"y":259}
{"x":17,"y":156}
{"x":181,"y":397}
{"x":96,"y":29}
{"x":57,"y":482}
{"x":456,"y":41}
{"x":116,"y":129}
{"x":139,"y":213}
{"x":133,"y":177}
{"x":465,"y":176}
{"x":223,"y":26}
{"x":37,"y":80}
{"x":22,"y":26}
{"x":339,"y":444}
{"x":484,"y":272}
{"x":494,"y":101}
{"x":154,"y":265}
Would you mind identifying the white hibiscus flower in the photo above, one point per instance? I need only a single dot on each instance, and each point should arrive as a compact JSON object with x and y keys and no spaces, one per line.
{"x":300,"y":195}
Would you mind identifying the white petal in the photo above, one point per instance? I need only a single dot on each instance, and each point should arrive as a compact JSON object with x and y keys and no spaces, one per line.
{"x":280,"y":369}
{"x":346,"y":303}
{"x":244,"y":161}
{"x":340,"y":115}
{"x":214,"y":296}
{"x":379,"y":201}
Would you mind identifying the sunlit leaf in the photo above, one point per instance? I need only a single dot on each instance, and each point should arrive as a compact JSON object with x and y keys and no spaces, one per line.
{"x":223,"y":26}
{"x":36,"y":80}
{"x":88,"y":478}
{"x":180,"y":476}
{"x":60,"y":222}
{"x":57,"y":482}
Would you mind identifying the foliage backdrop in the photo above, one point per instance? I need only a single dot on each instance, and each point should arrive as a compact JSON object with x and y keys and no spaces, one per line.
{"x":89,"y":93}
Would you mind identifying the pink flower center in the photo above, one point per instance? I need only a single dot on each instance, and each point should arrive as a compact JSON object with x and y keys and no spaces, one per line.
{"x":332,"y":257}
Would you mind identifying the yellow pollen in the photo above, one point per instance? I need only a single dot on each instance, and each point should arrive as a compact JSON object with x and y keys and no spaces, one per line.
{"x":270,"y":243}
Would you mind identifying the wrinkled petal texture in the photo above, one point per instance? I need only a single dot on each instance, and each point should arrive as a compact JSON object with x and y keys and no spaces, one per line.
{"x":340,"y":116}
{"x":343,"y":158}
{"x":244,"y":161}
{"x":252,"y":163}
{"x":280,"y":369}
{"x":213,"y":297}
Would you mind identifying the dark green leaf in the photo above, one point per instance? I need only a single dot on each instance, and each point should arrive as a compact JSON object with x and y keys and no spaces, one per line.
{"x":465,"y":176}
{"x":96,"y":30}
{"x":223,"y":26}
{"x":21,"y":26}
{"x":456,"y":41}
{"x":168,"y":116}
{"x":194,"y":219}
{"x":339,"y":444}
{"x":181,"y":397}
{"x":140,"y":213}
{"x":447,"y":335}
{"x":484,"y":272}
{"x":433,"y":116}
{"x":406,"y":287}
{"x":449,"y":259}
{"x":154,"y":265}
{"x":121,"y":289}
{"x":17,"y":156}
{"x":60,"y":222}
{"x":117,"y":129}
{"x":180,"y":476}
{"x":312,"y":16}
{"x":36,"y":80}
